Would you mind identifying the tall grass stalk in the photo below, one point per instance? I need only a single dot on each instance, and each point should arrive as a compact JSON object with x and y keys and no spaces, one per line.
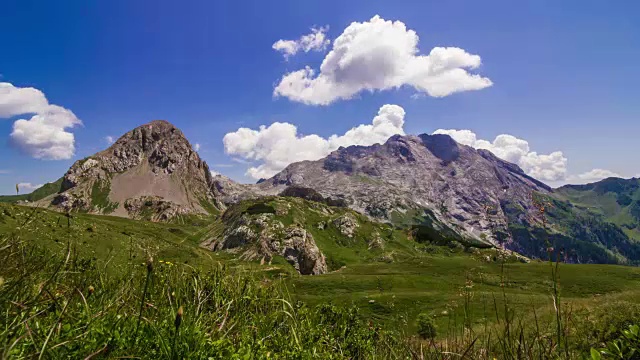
{"x":144,"y":294}
{"x":177,"y":323}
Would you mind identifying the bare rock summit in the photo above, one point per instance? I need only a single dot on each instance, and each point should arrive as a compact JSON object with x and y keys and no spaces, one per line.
{"x":456,"y":186}
{"x":150,"y":172}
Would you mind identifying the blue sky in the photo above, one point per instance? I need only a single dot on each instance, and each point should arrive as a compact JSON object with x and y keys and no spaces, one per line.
{"x":563,"y":76}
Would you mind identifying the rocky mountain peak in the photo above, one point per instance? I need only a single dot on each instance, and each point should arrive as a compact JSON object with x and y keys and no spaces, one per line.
{"x":441,"y":146}
{"x":154,"y":160}
{"x":460,"y":187}
{"x":164,"y":145}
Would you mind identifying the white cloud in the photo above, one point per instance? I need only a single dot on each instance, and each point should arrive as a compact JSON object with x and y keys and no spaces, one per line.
{"x":214,"y":173}
{"x":279,"y":144}
{"x":272,"y":148}
{"x":551,"y":167}
{"x":196,"y":147}
{"x":44,"y":135}
{"x":109,"y":139}
{"x":26,"y":188}
{"x":592,"y":176}
{"x":317,"y":41}
{"x":4,"y":171}
{"x":17,"y":101}
{"x":381,"y":55}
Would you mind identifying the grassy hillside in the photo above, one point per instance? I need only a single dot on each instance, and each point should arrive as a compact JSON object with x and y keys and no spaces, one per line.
{"x":484,"y":303}
{"x":109,"y":240}
{"x":616,"y":200}
{"x":38,"y":194}
{"x":577,"y":234}
{"x":370,"y":242}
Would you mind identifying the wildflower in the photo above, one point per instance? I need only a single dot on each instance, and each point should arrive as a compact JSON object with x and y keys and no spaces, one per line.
{"x":469,"y":284}
{"x":150,"y":264}
{"x":91,"y":290}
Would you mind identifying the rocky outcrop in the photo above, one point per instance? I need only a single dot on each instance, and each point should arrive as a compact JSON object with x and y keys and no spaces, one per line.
{"x":375,"y":242}
{"x":346,"y":224}
{"x":300,"y":250}
{"x":69,"y":202}
{"x":262,"y":236}
{"x":154,"y":208}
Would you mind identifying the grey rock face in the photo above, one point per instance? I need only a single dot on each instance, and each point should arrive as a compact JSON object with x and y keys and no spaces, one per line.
{"x":231,"y":192}
{"x":154,"y":160}
{"x":154,"y":207}
{"x":69,"y":202}
{"x":346,"y":224}
{"x":262,"y":236}
{"x":376,"y":242}
{"x":463,"y":188}
{"x":300,"y":250}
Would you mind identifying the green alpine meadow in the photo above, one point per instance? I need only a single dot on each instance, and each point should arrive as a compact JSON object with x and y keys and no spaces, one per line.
{"x":302,"y":180}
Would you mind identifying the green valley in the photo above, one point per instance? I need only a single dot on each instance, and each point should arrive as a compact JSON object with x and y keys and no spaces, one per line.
{"x":387,"y":285}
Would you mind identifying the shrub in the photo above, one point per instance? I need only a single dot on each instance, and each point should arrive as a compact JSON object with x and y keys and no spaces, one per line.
{"x":626,"y":346}
{"x":426,"y":326}
{"x":596,"y":327}
{"x":260,"y":208}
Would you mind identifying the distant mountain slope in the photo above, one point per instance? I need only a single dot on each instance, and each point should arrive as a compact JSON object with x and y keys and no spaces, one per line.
{"x":461,"y":187}
{"x":458,"y":191}
{"x":151,"y":172}
{"x":38,"y":194}
{"x":616,"y":199}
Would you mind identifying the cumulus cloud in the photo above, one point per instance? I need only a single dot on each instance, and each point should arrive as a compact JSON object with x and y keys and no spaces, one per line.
{"x":17,"y":101}
{"x":279,"y":144}
{"x":196,"y":147}
{"x":271,"y":148}
{"x":44,"y":135}
{"x":551,"y":168}
{"x":381,"y":55}
{"x":317,"y":41}
{"x":109,"y":139}
{"x":592,"y":176}
{"x":546,"y":167}
{"x":26,"y":188}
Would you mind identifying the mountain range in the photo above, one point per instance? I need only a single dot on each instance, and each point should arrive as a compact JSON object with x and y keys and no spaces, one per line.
{"x":432,"y":187}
